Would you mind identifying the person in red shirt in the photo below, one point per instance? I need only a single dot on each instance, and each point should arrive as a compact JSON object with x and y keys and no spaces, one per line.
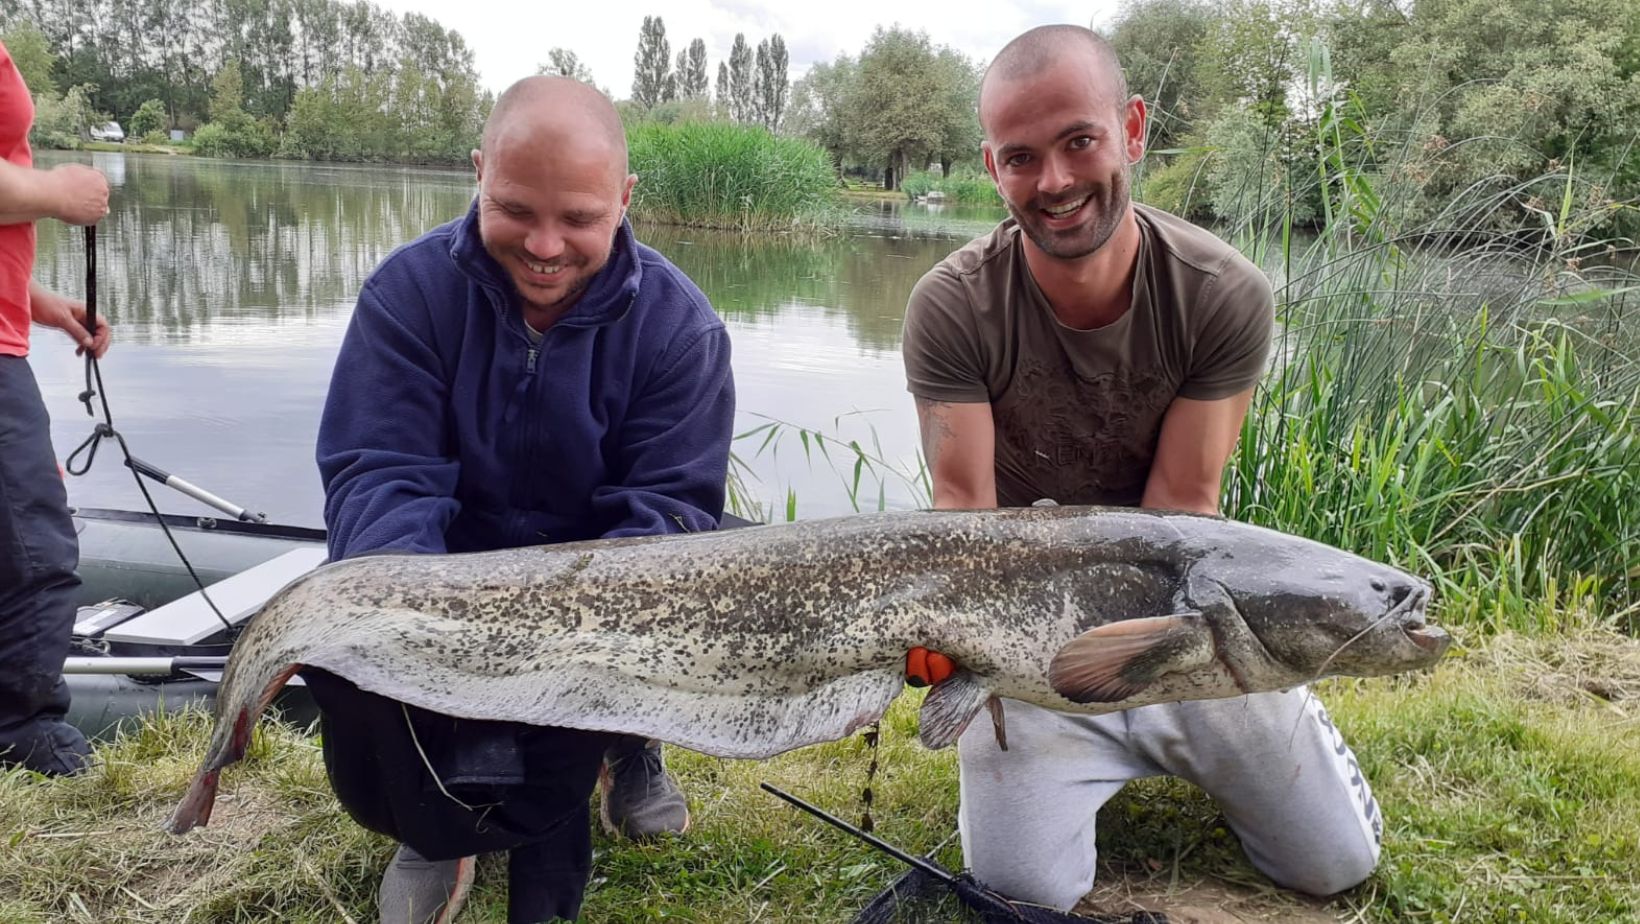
{"x":38,"y":550}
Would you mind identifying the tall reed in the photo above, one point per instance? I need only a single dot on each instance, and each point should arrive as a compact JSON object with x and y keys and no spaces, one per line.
{"x":1467,"y":409}
{"x":719,"y":175}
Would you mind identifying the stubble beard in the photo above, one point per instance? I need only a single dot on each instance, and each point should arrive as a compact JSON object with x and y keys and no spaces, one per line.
{"x":1109,"y":202}
{"x":562,"y":302}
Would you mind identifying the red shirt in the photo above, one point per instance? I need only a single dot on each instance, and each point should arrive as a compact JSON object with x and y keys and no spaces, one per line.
{"x":16,"y":241}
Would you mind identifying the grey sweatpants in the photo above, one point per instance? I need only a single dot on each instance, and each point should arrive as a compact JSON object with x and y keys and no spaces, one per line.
{"x":1281,"y":774}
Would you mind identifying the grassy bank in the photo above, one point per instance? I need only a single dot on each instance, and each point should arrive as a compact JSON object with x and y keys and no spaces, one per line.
{"x":1509,"y":781}
{"x":960,"y":188}
{"x":134,"y":147}
{"x":719,"y":175}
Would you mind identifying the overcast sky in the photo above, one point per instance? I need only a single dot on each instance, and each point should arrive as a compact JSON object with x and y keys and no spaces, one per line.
{"x":510,"y":38}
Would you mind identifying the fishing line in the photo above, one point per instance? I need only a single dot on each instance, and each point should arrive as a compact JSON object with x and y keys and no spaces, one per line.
{"x":105,"y":427}
{"x":426,"y":762}
{"x":873,"y":735}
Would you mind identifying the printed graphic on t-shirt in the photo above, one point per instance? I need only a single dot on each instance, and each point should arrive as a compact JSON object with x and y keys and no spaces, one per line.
{"x":1080,"y":440}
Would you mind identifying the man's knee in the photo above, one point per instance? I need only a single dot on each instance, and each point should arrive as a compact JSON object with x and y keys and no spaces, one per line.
{"x":1327,"y":874}
{"x":1059,"y":887}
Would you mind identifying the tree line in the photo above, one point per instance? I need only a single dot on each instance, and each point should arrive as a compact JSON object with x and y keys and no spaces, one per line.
{"x":296,"y":78}
{"x":1471,"y":114}
{"x":752,"y":87}
{"x":1520,"y":108}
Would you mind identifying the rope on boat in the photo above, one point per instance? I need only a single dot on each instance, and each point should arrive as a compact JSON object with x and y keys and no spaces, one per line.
{"x":105,"y":427}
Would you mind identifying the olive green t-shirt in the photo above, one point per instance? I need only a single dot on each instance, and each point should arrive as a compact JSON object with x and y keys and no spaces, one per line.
{"x":1078,"y":412}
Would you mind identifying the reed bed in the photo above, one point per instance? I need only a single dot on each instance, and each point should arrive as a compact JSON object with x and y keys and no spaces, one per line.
{"x":719,"y":175}
{"x":1457,"y":401}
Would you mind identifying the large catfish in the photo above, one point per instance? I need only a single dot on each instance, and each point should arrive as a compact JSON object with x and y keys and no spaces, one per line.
{"x":750,"y":642}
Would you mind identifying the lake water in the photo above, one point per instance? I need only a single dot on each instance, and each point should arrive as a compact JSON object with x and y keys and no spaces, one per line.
{"x":230,"y":285}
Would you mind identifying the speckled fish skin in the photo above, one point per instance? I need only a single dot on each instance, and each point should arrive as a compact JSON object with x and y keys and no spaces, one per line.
{"x":746,"y":643}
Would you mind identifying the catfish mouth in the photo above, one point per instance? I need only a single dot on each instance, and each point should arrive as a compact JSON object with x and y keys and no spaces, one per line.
{"x":1408,"y":612}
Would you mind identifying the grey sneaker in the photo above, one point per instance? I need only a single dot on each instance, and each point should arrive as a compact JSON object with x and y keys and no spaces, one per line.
{"x":416,"y":890}
{"x":640,"y":798}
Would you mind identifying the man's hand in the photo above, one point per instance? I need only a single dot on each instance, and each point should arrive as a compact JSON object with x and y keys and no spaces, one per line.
{"x":80,"y":194}
{"x":68,"y":315}
{"x":924,"y":668}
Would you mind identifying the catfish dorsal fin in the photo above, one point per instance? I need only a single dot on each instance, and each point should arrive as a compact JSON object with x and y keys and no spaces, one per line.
{"x":950,"y":706}
{"x":1112,"y":662}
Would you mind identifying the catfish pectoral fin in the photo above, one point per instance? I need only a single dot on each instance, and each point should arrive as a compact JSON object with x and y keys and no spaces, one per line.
{"x":1112,"y":662}
{"x":949,"y":708}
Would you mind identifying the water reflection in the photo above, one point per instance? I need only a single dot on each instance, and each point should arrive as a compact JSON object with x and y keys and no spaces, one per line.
{"x":859,"y":279}
{"x":190,"y":241}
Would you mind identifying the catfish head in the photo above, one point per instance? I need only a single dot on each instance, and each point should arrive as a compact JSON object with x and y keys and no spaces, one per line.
{"x":1321,"y":611}
{"x":1264,"y":611}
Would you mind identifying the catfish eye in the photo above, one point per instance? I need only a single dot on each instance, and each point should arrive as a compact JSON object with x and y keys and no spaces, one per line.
{"x":1378,"y":585}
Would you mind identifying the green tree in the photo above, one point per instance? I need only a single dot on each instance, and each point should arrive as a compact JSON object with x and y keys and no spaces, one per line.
{"x":741,"y":81}
{"x":900,"y":107}
{"x":1361,"y":37}
{"x":651,"y":77}
{"x":228,"y":94}
{"x":819,"y":108}
{"x":32,"y":54}
{"x":1159,"y":43}
{"x":1250,"y":54}
{"x":1249,"y":177}
{"x":60,"y":122}
{"x":149,"y":118}
{"x":1502,"y":92}
{"x":565,"y":63}
{"x":691,"y":71}
{"x":771,"y":87}
{"x":959,"y":128}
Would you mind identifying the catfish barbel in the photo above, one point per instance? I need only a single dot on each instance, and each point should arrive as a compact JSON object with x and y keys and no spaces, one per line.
{"x":750,"y":642}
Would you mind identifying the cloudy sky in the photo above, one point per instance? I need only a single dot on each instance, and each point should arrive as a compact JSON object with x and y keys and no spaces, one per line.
{"x":510,"y":38}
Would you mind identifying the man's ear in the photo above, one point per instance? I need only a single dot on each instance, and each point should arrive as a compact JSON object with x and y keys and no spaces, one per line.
{"x":478,"y":164}
{"x":989,"y":158}
{"x":1134,"y":123}
{"x":626,"y":191}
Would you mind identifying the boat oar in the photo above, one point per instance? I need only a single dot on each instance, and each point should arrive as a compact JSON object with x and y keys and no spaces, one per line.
{"x":194,"y":491}
{"x":144,"y":666}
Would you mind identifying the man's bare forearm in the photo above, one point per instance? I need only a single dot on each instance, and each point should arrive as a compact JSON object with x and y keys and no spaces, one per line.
{"x":26,"y":194}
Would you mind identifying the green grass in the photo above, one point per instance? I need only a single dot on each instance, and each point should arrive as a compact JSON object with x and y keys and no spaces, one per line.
{"x":1509,"y":780}
{"x":135,"y":147}
{"x":960,"y":188}
{"x":719,"y":175}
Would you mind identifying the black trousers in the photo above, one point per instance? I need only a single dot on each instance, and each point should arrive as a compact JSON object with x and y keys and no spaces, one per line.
{"x":38,"y":555}
{"x":470,"y":787}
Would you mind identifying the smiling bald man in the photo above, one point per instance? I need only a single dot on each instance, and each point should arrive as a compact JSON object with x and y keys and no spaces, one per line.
{"x":527,"y":374}
{"x":1091,"y":350}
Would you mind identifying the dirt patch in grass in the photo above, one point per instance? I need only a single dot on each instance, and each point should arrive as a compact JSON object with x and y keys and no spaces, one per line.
{"x":1202,"y":901}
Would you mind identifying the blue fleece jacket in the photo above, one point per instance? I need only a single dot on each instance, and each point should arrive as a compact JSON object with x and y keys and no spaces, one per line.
{"x":447,"y":429}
